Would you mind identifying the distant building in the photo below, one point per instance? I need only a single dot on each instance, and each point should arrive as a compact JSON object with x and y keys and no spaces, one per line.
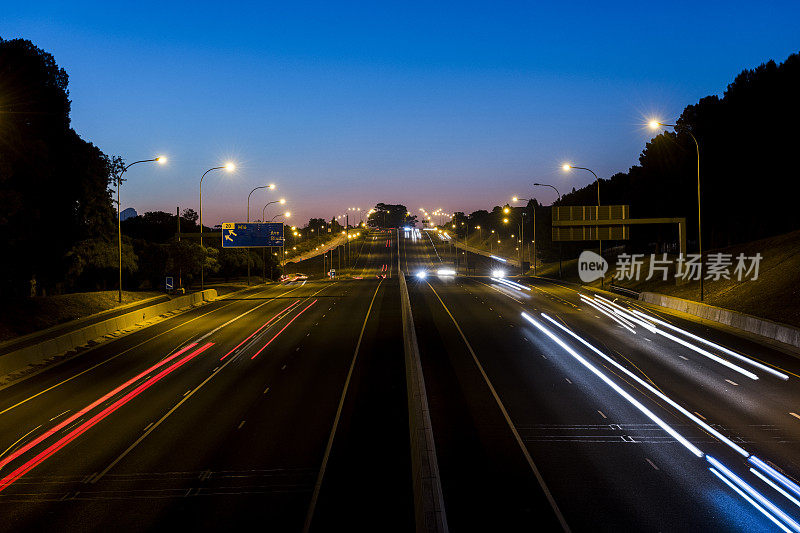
{"x":128,"y":213}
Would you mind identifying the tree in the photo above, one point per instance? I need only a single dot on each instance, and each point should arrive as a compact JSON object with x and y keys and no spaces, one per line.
{"x":745,"y":139}
{"x":92,"y":263}
{"x":190,"y":215}
{"x":389,"y":216}
{"x":54,"y":186}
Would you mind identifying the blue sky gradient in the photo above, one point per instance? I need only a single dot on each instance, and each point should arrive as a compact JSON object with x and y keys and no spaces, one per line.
{"x":453,"y":105}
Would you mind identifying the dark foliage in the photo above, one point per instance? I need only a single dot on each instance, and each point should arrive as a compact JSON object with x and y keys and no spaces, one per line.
{"x":54,"y":186}
{"x":747,"y":141}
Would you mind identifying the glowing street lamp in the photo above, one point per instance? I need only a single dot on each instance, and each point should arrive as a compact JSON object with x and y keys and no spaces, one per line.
{"x":230,"y":167}
{"x":160,"y":160}
{"x":271,"y":187}
{"x":567,"y":167}
{"x":282,"y":201}
{"x":655,"y":124}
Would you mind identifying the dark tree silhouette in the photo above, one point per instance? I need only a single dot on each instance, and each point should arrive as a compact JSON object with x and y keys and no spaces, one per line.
{"x":54,"y":186}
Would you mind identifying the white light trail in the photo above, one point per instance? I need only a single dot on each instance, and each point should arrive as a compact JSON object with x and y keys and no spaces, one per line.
{"x":650,"y":388}
{"x":649,"y":414}
{"x":714,"y":345}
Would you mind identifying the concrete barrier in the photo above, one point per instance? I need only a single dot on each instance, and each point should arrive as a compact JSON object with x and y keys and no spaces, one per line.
{"x":484,"y":253}
{"x":429,"y":513}
{"x":38,"y":353}
{"x":759,"y":326}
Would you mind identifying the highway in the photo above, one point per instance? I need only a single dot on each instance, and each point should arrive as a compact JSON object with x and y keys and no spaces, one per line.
{"x":284,"y":407}
{"x":240,"y":412}
{"x":605,"y":463}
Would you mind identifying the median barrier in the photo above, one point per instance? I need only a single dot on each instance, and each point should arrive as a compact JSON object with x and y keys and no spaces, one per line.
{"x":429,"y":513}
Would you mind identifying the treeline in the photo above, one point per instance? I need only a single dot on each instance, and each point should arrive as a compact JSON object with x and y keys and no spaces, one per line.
{"x":747,"y":139}
{"x":58,"y":223}
{"x":54,"y":186}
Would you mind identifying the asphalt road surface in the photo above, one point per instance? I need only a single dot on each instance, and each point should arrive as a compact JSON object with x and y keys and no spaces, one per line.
{"x":284,"y":408}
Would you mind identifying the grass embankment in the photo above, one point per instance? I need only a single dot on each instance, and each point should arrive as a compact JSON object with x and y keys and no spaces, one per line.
{"x":20,"y":316}
{"x":775,"y":295}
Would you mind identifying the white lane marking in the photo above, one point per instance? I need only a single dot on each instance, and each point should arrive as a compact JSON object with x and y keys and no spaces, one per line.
{"x":568,"y":381}
{"x":65,"y":412}
{"x":651,"y":463}
{"x":601,"y":413}
{"x":337,"y":417}
{"x":174,"y":408}
{"x":648,"y":340}
{"x":731,"y":382}
{"x":684,"y":358}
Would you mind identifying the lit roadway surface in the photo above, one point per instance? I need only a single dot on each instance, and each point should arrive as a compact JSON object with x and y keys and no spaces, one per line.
{"x":284,"y":407}
{"x":221,"y":418}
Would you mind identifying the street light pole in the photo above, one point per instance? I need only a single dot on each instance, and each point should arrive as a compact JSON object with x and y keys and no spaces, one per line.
{"x":654,"y":124}
{"x":534,"y":225}
{"x":264,"y":209}
{"x":159,"y":159}
{"x":271,"y":186}
{"x":282,"y":257}
{"x":597,"y":228}
{"x":229,"y":167}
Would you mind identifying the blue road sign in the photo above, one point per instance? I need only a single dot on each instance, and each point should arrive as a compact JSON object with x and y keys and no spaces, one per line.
{"x":252,"y":234}
{"x":168,"y":283}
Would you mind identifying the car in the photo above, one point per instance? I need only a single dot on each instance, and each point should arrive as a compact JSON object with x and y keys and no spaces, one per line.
{"x":289,"y":278}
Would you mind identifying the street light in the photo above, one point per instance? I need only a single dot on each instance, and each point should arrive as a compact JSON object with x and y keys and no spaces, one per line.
{"x":522,"y":228}
{"x":654,"y":124}
{"x":271,"y":187}
{"x":548,"y":185}
{"x":534,"y":225}
{"x":160,"y":160}
{"x":286,"y":214}
{"x":566,"y":168}
{"x":230,"y":167}
{"x":282,"y":201}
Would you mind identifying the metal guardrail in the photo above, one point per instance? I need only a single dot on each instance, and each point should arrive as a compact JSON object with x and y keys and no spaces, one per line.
{"x":624,"y":290}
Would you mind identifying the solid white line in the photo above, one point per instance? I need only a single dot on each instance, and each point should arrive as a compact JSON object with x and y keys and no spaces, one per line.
{"x":510,"y":423}
{"x":121,"y":353}
{"x":326,"y":455}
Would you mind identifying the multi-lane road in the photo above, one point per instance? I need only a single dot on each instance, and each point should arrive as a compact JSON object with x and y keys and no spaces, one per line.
{"x":284,"y":407}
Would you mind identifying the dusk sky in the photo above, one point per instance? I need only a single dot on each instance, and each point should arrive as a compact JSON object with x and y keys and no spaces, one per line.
{"x":453,"y":106}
